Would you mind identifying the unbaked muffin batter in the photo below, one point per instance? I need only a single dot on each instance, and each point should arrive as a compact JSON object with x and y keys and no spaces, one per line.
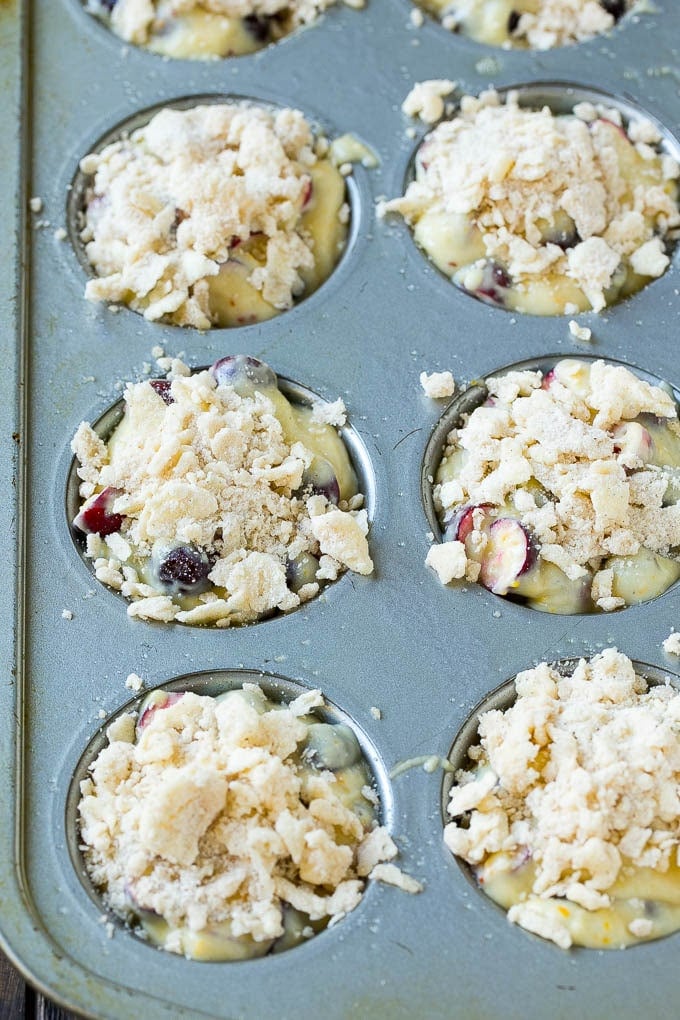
{"x":230,"y":827}
{"x":536,"y":24}
{"x":219,"y":215}
{"x":563,"y":490}
{"x":570,"y":814}
{"x":540,"y":213}
{"x":203,"y":29}
{"x":216,"y":500}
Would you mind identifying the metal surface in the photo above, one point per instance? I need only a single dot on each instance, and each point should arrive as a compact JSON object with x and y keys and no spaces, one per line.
{"x":425,"y":655}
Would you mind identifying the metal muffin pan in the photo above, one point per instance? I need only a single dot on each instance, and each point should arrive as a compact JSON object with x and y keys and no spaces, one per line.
{"x":425,"y":655}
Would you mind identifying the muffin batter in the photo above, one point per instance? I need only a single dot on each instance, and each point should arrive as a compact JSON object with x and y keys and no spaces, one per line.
{"x":230,"y":827}
{"x":203,"y":29}
{"x":216,"y":501}
{"x":563,"y":490}
{"x":219,"y":215}
{"x":540,"y":213}
{"x":570,"y":815}
{"x":536,"y":24}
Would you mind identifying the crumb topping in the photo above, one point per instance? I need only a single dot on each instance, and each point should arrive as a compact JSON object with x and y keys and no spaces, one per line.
{"x":573,"y":201}
{"x":577,"y":782}
{"x":198,"y":190}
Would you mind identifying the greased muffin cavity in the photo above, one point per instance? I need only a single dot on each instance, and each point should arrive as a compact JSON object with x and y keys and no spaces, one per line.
{"x":561,"y":488}
{"x":222,"y":214}
{"x":533,"y":24}
{"x":229,"y":827}
{"x":218,"y":501}
{"x":567,"y":805}
{"x":539,"y":212}
{"x":203,"y":29}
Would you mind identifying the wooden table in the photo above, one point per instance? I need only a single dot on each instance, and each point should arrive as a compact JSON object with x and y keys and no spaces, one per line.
{"x":18,"y":1001}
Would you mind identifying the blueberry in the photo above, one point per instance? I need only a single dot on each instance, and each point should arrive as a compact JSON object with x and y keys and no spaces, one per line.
{"x":162,"y":388}
{"x":331,"y":747}
{"x":513,"y":21}
{"x":258,"y":26}
{"x":564,"y":238}
{"x":182,"y":569}
{"x":237,"y":369}
{"x":617,"y":8}
{"x":319,"y":479}
{"x":300,"y":571}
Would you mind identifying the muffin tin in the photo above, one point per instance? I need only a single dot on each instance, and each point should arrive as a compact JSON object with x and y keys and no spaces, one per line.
{"x":423,"y":654}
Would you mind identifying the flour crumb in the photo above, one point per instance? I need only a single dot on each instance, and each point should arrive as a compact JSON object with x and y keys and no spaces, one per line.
{"x":580,"y":332}
{"x":66,"y":614}
{"x":390,"y":874}
{"x":35,"y":204}
{"x":672,"y":644}
{"x":438,"y":385}
{"x":377,"y":714}
{"x":330,"y":413}
{"x":134,"y":682}
{"x":448,"y":560}
{"x":426,"y":99}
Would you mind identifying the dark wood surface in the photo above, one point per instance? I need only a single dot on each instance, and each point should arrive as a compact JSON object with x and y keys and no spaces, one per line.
{"x":18,"y":1001}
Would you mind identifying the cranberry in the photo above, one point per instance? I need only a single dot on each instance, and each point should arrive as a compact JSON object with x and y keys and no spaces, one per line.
{"x":162,"y":388}
{"x":95,"y":516}
{"x":157,"y":700}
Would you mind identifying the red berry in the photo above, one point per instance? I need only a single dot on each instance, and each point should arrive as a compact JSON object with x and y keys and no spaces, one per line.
{"x":95,"y":515}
